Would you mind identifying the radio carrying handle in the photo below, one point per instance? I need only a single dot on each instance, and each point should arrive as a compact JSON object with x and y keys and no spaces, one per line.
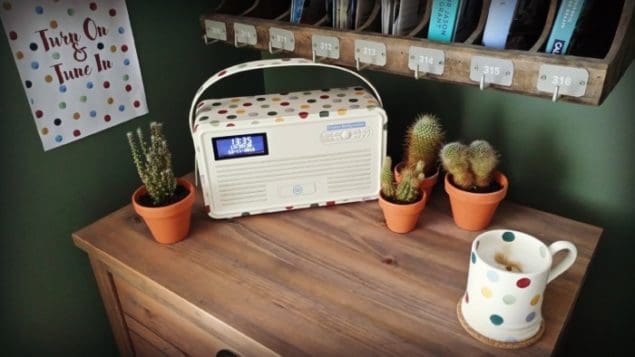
{"x":269,"y":63}
{"x":264,"y":64}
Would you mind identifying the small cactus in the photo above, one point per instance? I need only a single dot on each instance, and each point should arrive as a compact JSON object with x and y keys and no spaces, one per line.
{"x":154,"y":163}
{"x":483,"y":161}
{"x":472,"y":167}
{"x":423,"y":142}
{"x":406,"y":191}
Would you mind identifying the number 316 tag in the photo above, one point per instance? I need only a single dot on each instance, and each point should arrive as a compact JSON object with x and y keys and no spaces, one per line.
{"x":570,"y":81}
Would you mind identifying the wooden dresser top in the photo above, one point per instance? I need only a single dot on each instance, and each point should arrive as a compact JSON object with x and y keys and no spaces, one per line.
{"x":334,"y":280}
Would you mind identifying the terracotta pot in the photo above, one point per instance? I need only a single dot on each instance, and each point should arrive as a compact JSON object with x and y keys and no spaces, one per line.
{"x":474,"y":211}
{"x":402,"y":218}
{"x":426,"y":185}
{"x":168,"y":224}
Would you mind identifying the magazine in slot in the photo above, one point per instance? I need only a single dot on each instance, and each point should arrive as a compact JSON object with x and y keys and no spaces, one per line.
{"x":528,"y":23}
{"x":311,"y":12}
{"x":587,"y":39}
{"x":421,"y":30}
{"x":468,"y":19}
{"x":401,"y":17}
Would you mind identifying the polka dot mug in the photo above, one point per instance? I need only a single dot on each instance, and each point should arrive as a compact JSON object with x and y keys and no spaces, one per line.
{"x":508,"y":274}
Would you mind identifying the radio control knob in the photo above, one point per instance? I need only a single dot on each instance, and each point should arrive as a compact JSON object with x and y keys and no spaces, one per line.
{"x":346,"y":134}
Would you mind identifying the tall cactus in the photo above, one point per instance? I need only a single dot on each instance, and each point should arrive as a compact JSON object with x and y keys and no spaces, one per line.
{"x":154,"y":163}
{"x":483,"y":161}
{"x":423,"y":142}
{"x":407,"y":190}
{"x":455,"y":159}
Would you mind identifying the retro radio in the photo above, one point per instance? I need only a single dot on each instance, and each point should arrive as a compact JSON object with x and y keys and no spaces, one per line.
{"x":287,"y":151}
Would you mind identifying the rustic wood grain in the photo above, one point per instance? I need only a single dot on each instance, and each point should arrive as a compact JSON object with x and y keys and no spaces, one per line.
{"x":323,"y":281}
{"x":140,"y":335}
{"x":603,"y":73}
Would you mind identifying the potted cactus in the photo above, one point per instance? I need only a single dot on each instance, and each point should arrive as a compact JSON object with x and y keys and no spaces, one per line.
{"x":401,"y":202}
{"x":472,"y":182}
{"x":424,"y":139}
{"x":164,"y":202}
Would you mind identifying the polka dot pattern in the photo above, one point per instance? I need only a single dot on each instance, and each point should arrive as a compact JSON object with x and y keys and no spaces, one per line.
{"x":276,"y":107}
{"x":63,"y":100}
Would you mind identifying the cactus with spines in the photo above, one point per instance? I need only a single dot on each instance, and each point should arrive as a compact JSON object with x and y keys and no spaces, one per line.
{"x":483,"y":161}
{"x":472,"y":167}
{"x":424,"y":139}
{"x":154,"y":163}
{"x":407,"y":190}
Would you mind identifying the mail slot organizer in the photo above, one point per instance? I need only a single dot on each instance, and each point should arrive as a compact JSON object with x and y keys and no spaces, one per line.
{"x":277,"y":152}
{"x":569,"y":78}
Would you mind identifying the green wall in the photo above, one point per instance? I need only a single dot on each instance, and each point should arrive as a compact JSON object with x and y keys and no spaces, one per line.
{"x":573,"y":160}
{"x":49,"y":300}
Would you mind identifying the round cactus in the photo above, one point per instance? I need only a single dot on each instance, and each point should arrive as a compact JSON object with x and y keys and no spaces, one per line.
{"x":455,"y":159}
{"x":483,"y":161}
{"x":423,"y":141}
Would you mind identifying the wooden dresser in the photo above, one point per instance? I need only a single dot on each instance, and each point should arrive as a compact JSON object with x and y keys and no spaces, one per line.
{"x":328,"y":281}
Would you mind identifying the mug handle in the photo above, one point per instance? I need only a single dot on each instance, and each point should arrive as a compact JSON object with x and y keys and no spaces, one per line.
{"x":566,"y":263}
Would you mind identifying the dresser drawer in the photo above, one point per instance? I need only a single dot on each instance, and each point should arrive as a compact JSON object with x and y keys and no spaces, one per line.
{"x":174,"y":331}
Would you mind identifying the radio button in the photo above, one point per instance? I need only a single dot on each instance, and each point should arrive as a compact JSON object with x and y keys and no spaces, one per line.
{"x":297,"y":189}
{"x":346,"y":134}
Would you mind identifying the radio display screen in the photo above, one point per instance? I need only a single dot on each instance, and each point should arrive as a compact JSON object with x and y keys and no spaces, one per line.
{"x":231,"y":147}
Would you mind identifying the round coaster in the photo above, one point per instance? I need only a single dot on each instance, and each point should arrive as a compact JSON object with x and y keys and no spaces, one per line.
{"x":498,"y":344}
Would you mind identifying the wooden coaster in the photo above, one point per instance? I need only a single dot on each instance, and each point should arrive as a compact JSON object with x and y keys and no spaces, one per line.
{"x":499,"y":344}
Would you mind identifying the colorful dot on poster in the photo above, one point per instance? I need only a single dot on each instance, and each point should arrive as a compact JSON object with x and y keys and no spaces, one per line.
{"x":136,"y":104}
{"x":492,"y":276}
{"x":45,"y":131}
{"x":59,"y":138}
{"x":92,"y":113}
{"x":112,"y":12}
{"x":57,"y":121}
{"x":126,"y":77}
{"x":531,"y":316}
{"x":76,"y":133}
{"x":106,"y":84}
{"x":76,"y":116}
{"x":83,"y":99}
{"x":535,"y":300}
{"x":56,"y":55}
{"x":6,"y":5}
{"x":121,"y":30}
{"x":93,"y":6}
{"x":89,"y":85}
{"x":124,"y":48}
{"x":508,"y":237}
{"x":62,"y":105}
{"x":110,"y":100}
{"x":63,"y":88}
{"x":33,"y":46}
{"x":35,"y":65}
{"x":486,"y":292}
{"x":107,"y":118}
{"x":70,"y":12}
{"x":276,"y":99}
{"x":39,"y":10}
{"x":28,"y":84}
{"x":53,"y":24}
{"x":122,"y":107}
{"x":100,"y":46}
{"x":523,"y":283}
{"x":39,"y":114}
{"x":496,"y":319}
{"x":19,"y":55}
{"x":128,"y":87}
{"x":509,"y":299}
{"x":13,"y":35}
{"x":126,"y":62}
{"x":113,"y":48}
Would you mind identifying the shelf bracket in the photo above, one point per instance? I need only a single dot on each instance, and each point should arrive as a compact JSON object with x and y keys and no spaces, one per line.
{"x":237,"y":44}
{"x":359,"y":68}
{"x":272,"y":51}
{"x":482,"y":84}
{"x":208,"y":42}
{"x":419,"y":75}
{"x":556,"y":94}
{"x":317,"y":58}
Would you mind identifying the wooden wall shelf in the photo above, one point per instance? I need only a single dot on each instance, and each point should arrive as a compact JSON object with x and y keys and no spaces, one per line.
{"x":603,"y":73}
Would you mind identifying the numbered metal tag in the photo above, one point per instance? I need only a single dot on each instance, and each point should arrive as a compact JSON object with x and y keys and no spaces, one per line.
{"x":281,"y":39}
{"x":370,"y":52}
{"x":491,"y":70}
{"x":563,"y":80}
{"x":215,"y":30}
{"x":245,"y":34}
{"x":426,"y":60}
{"x":326,"y":46}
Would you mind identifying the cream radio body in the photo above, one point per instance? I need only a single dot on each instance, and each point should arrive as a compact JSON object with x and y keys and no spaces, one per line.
{"x":287,"y":151}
